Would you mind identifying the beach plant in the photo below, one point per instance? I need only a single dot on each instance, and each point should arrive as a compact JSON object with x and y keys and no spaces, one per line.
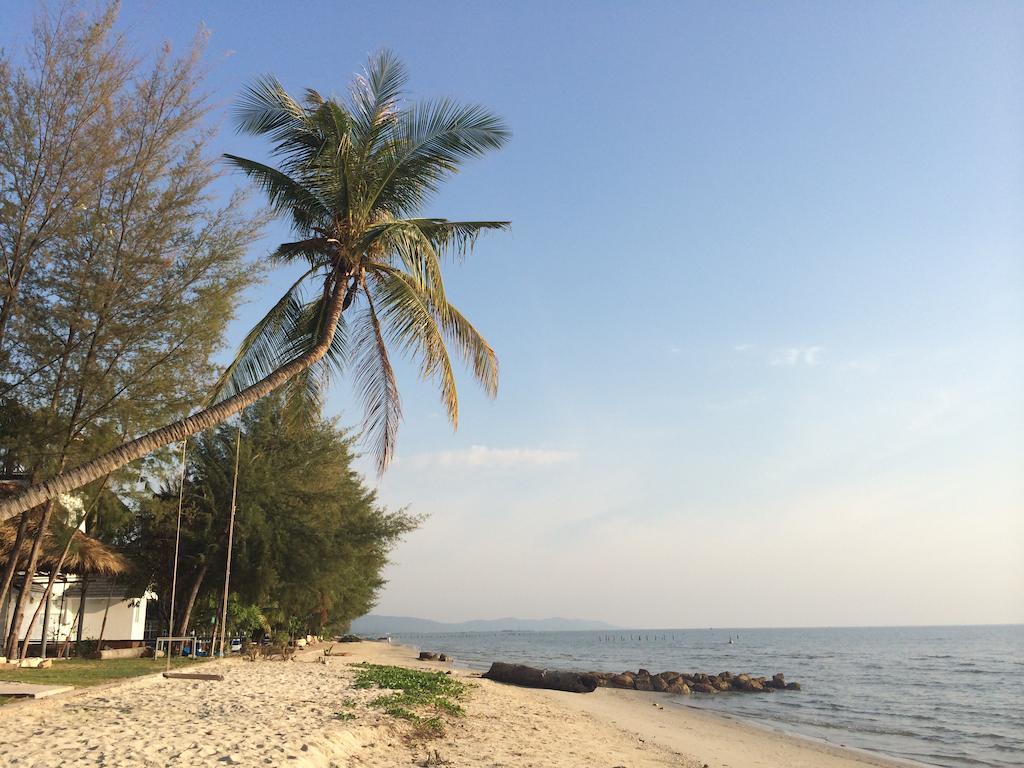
{"x":412,"y":690}
{"x":352,"y":177}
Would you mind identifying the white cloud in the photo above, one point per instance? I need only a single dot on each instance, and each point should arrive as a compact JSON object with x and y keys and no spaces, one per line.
{"x":789,"y":357}
{"x":793,"y":356}
{"x":481,"y":456}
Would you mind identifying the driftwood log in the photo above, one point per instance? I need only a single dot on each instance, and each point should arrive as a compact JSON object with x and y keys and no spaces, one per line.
{"x":531,"y":677}
{"x":193,"y":676}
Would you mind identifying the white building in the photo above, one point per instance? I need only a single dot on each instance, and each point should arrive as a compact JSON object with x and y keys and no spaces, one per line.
{"x":111,"y":611}
{"x":125,"y":613}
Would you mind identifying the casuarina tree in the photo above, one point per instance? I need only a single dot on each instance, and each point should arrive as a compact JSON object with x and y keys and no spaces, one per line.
{"x":351,"y":176}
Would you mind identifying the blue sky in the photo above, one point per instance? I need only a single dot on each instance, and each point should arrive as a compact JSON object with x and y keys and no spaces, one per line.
{"x":760,"y":316}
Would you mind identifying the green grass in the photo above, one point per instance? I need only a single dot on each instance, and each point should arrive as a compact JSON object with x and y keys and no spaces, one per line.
{"x":435,"y":692}
{"x":86,"y":672}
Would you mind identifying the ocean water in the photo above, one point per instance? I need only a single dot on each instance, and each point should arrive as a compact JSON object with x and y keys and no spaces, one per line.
{"x":944,"y":696}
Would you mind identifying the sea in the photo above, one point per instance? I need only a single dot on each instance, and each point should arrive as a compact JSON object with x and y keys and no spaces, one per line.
{"x":941,"y":696}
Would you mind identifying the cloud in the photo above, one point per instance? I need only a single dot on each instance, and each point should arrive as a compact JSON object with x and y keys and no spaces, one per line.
{"x":481,"y":456}
{"x":794,"y":356}
{"x":787,"y":357}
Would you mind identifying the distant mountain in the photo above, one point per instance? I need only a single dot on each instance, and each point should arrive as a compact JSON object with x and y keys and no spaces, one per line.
{"x":397,"y":625}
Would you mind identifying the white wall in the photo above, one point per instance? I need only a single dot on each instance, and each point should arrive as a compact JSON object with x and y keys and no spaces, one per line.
{"x":126,"y":619}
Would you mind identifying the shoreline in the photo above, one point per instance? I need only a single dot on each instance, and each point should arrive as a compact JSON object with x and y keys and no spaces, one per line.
{"x":652,"y":701}
{"x":308,"y":714}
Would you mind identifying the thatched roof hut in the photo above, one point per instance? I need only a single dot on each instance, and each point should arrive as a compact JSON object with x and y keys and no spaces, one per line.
{"x":86,"y":555}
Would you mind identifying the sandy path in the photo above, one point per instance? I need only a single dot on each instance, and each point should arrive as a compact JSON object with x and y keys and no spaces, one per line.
{"x":284,"y":714}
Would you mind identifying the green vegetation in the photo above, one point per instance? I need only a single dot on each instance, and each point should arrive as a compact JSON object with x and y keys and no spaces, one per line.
{"x":121,"y":269}
{"x":414,"y":690}
{"x":352,"y":178}
{"x":119,"y":273}
{"x":310,"y":540}
{"x":86,"y":672}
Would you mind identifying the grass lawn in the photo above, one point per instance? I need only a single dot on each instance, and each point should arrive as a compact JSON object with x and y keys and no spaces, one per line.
{"x":85,"y":672}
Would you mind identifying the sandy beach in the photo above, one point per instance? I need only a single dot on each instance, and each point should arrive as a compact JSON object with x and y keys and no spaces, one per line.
{"x":285,"y":713}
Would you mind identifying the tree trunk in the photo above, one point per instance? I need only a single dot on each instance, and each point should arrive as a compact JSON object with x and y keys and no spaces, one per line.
{"x":555,"y":680}
{"x":103,"y":626}
{"x":187,"y":616}
{"x":76,"y":625}
{"x":65,"y":482}
{"x":12,"y":560}
{"x":81,"y":610}
{"x":44,"y":608}
{"x":231,"y":538}
{"x":46,"y":600}
{"x":30,"y":569}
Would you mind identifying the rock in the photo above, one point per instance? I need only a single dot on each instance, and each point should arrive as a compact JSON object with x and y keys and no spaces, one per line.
{"x":792,"y":686}
{"x":778,"y":682}
{"x":30,"y":662}
{"x":643,"y":673}
{"x":45,"y":664}
{"x":704,"y":688}
{"x":679,"y":688}
{"x":668,"y":677}
{"x":725,"y":675}
{"x":625,"y":680}
{"x":723,"y":685}
{"x":747,"y":683}
{"x":642,"y":682}
{"x":659,"y":684}
{"x":427,"y":656}
{"x":443,"y":657}
{"x":700,"y":677}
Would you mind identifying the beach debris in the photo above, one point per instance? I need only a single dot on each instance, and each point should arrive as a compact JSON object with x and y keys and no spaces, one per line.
{"x":531,"y":677}
{"x":682,"y":684}
{"x":428,"y":656}
{"x":193,"y":676}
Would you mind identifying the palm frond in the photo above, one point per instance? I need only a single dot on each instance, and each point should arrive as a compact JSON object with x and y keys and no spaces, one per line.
{"x":428,"y":142}
{"x":405,"y":314}
{"x":472,"y":347}
{"x":455,"y":237}
{"x":312,"y":250}
{"x":266,"y":109}
{"x":284,"y":193}
{"x":407,"y":245}
{"x":458,"y":332}
{"x":261,"y":350}
{"x":376,"y":385}
{"x":375,"y":98}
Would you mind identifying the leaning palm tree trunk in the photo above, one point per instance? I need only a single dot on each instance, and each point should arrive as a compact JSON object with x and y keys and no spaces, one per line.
{"x":102,"y":465}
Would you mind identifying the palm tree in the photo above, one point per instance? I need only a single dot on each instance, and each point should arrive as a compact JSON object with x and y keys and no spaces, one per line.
{"x":351,"y":177}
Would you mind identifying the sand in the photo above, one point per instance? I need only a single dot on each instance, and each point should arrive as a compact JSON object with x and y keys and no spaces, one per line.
{"x":284,"y":714}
